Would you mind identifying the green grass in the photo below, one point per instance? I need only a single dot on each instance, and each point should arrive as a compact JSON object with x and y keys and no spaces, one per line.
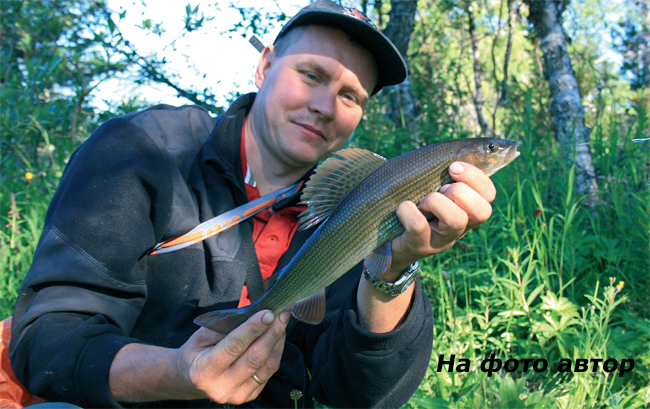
{"x":547,"y":278}
{"x":544,"y":278}
{"x":23,"y":214}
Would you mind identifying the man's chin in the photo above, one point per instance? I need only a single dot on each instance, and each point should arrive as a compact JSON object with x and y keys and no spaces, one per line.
{"x":307,"y":158}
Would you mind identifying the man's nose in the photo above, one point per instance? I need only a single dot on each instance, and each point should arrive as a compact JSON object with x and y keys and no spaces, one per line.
{"x":323,"y":103}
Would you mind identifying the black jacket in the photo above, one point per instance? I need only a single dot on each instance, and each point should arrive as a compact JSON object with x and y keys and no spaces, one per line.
{"x":92,"y":288}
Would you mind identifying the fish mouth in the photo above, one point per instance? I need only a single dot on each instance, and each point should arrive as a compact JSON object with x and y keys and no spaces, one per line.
{"x":510,"y":153}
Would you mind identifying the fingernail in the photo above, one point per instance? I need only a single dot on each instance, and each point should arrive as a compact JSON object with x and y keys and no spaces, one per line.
{"x":444,"y":188}
{"x":284,"y":317}
{"x":267,"y":318}
{"x":456,"y":168}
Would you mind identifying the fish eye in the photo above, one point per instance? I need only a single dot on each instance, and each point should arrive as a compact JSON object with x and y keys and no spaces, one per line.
{"x":490,"y":146}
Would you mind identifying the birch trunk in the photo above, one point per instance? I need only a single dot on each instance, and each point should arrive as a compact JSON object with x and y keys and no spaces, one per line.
{"x":566,"y":106}
{"x":403,"y":108}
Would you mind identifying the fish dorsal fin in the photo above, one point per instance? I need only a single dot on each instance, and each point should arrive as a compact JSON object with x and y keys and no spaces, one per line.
{"x":310,"y":310}
{"x":333,"y":180}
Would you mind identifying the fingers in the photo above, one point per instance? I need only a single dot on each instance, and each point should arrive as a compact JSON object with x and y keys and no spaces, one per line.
{"x":262,"y":356}
{"x":458,"y":207}
{"x":474,"y":178}
{"x":448,"y":223}
{"x":271,"y":366}
{"x":238,"y":341}
{"x":473,"y":192}
{"x":475,"y":206}
{"x":450,"y":220}
{"x":223,"y":370}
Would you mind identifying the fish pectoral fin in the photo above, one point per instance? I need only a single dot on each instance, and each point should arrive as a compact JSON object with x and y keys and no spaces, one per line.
{"x":334,"y":179}
{"x":223,"y":321}
{"x":311,"y":310}
{"x":378,"y":262}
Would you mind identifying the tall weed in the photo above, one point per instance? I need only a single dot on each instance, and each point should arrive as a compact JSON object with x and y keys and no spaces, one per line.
{"x":23,"y":205}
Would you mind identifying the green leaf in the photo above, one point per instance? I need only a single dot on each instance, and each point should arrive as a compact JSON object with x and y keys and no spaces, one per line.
{"x":534,"y":294}
{"x":511,"y":313}
{"x":433,"y":403}
{"x":560,"y":305}
{"x":508,"y":393}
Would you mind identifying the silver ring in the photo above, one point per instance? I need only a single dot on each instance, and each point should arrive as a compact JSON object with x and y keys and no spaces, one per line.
{"x":257,"y":380}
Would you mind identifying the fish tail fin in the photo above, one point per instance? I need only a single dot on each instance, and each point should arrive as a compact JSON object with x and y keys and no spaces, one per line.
{"x":224,"y":321}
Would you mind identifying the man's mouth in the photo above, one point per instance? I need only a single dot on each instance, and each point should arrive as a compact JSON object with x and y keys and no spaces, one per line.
{"x":311,"y":129}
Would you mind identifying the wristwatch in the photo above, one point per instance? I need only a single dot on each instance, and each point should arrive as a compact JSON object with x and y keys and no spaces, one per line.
{"x":398,"y":287}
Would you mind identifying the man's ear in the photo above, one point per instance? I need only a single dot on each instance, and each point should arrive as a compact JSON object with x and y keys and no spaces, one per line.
{"x":264,"y":65}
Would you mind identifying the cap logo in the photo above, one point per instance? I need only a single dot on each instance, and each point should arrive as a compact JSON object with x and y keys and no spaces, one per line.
{"x":358,"y":15}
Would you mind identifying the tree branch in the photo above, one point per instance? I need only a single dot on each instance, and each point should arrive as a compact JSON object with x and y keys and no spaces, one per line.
{"x":504,"y":85}
{"x":478,"y":71}
{"x":494,"y":62}
{"x":152,"y":73}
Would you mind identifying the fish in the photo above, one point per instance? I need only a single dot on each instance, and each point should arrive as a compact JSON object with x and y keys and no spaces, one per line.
{"x":354,"y":195}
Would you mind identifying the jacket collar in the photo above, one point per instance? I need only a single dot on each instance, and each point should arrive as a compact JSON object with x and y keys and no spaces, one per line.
{"x":221,"y":149}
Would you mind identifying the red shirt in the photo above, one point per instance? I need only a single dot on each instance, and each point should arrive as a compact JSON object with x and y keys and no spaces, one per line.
{"x":272,"y":233}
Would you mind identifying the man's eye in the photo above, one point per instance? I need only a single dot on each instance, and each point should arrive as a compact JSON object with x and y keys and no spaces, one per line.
{"x":311,"y":76}
{"x":350,"y":97}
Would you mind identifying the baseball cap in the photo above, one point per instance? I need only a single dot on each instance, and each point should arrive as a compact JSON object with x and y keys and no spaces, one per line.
{"x":390,"y":64}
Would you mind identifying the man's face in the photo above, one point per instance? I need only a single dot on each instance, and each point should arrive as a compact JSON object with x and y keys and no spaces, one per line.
{"x":311,"y":97}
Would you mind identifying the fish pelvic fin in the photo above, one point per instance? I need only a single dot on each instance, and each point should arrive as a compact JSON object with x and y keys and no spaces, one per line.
{"x":334,"y":179}
{"x":224,"y":321}
{"x":310,"y":310}
{"x":378,"y":262}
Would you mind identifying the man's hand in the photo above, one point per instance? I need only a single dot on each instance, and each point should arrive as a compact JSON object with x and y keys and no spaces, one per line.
{"x":208,"y":365}
{"x":456,"y":209}
{"x":222,"y":368}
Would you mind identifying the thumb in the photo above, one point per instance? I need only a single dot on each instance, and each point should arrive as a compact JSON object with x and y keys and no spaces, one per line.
{"x":205,"y":338}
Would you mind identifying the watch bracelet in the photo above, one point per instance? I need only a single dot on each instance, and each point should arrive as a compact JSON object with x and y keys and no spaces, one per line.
{"x":400,"y":285}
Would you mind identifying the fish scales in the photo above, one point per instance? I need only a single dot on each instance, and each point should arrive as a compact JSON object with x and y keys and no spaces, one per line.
{"x":379,"y":194}
{"x":362,"y":221}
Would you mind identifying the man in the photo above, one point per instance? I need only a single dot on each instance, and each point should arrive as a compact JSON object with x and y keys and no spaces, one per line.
{"x":102,"y":322}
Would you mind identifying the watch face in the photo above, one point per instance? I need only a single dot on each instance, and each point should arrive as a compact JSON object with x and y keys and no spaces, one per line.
{"x":408,"y":278}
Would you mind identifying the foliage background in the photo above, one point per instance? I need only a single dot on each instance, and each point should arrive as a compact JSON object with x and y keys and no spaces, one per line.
{"x":545,"y":277}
